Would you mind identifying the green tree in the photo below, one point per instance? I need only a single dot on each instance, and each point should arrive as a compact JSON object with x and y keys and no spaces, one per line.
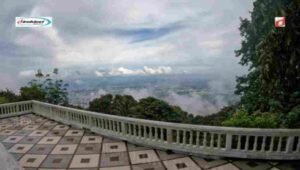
{"x":271,"y":54}
{"x":155,"y":109}
{"x":9,"y":96}
{"x":45,"y":88}
{"x":34,"y":92}
{"x":122,"y":105}
{"x":102,"y":104}
{"x":3,"y":100}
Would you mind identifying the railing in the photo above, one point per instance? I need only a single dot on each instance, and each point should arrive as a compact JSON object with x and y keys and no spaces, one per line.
{"x":15,"y":109}
{"x":277,"y":144}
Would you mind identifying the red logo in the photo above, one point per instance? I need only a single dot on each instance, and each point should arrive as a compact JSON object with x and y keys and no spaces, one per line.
{"x":279,"y":22}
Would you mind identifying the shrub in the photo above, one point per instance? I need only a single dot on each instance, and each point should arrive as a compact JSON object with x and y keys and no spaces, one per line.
{"x":241,"y":118}
{"x":293,"y":118}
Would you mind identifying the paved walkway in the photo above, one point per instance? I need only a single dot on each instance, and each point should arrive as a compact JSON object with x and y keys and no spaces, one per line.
{"x":39,"y":143}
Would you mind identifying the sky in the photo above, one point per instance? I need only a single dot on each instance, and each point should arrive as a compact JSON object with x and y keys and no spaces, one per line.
{"x":121,"y":38}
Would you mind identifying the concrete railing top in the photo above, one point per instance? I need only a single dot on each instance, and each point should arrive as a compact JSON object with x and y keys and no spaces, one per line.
{"x":192,"y":139}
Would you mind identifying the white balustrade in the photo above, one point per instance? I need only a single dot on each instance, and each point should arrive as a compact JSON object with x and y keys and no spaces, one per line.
{"x":255,"y":143}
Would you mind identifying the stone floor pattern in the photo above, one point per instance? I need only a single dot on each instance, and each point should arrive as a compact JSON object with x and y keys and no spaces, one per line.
{"x":39,"y":143}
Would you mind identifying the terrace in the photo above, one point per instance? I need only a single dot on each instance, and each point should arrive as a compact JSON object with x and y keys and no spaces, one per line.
{"x":36,"y":135}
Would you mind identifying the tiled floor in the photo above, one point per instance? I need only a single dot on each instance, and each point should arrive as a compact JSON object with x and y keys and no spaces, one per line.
{"x":39,"y":143}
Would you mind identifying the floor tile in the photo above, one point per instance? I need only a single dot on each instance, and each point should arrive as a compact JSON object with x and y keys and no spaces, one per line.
{"x":110,"y":140}
{"x":13,"y":139}
{"x":64,"y":149}
{"x":30,"y":139}
{"x":229,"y":166}
{"x":149,"y":166}
{"x":39,"y":133}
{"x":61,"y":127}
{"x":41,"y":149}
{"x":56,"y":133}
{"x":49,"y":140}
{"x":20,"y":148}
{"x":57,"y":161}
{"x":91,"y":139}
{"x":7,"y":132}
{"x":252,"y":165}
{"x":85,"y":161}
{"x":30,"y":160}
{"x":132,"y":147}
{"x":114,"y":159}
{"x":31,"y":127}
{"x":113,"y":147}
{"x":185,"y":163}
{"x":73,"y":132}
{"x":208,"y":163}
{"x":146,"y":156}
{"x":70,"y":140}
{"x":168,"y":155}
{"x":89,"y":149}
{"x":117,"y":168}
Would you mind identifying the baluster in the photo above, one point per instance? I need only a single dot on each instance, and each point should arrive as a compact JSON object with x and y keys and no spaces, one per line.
{"x":298,"y":145}
{"x":239,"y":142}
{"x":156,"y":133}
{"x":191,"y":138}
{"x":279,"y":144}
{"x":140,"y":130}
{"x":204,"y":139}
{"x":272,"y":144}
{"x":184,"y":137}
{"x":289,"y":144}
{"x":161,"y":134}
{"x":255,"y":143}
{"x":145,"y":132}
{"x":150,"y":136}
{"x":219,"y":141}
{"x":247,"y":143}
{"x":177,"y":137}
{"x":211,"y":140}
{"x":197,"y":138}
{"x":263,"y":144}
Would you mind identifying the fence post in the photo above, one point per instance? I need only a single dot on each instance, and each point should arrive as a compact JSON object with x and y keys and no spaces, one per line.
{"x":228,"y":141}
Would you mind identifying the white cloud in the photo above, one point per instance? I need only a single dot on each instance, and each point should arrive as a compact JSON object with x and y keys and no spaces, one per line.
{"x":27,"y":73}
{"x":158,"y":70}
{"x":98,"y":73}
{"x":145,"y":71}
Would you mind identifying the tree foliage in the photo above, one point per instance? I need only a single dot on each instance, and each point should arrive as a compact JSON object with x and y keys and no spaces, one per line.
{"x":8,"y":96}
{"x":48,"y":88}
{"x":241,"y":118}
{"x":272,"y":55}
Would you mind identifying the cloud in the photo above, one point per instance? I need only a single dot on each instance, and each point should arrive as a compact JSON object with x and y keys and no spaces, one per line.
{"x":145,"y":71}
{"x":27,"y":73}
{"x":98,"y":73}
{"x":130,"y":34}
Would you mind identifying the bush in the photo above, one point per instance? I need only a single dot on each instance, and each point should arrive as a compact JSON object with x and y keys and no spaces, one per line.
{"x":266,"y":120}
{"x":241,"y":118}
{"x":3,"y":100}
{"x":293,"y":118}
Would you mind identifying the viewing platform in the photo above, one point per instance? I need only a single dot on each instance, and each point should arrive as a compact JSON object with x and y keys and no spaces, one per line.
{"x":44,"y":136}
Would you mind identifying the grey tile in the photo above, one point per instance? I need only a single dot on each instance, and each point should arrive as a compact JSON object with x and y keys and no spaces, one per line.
{"x":114,"y":159}
{"x":149,"y":166}
{"x":30,"y":139}
{"x":70,"y":140}
{"x":56,"y":161}
{"x":89,"y":149}
{"x":41,"y":149}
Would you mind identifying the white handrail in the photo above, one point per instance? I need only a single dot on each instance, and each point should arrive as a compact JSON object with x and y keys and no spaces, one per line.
{"x":255,"y":143}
